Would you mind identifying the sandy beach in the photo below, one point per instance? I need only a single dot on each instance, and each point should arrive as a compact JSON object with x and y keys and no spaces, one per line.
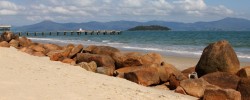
{"x":26,"y":77}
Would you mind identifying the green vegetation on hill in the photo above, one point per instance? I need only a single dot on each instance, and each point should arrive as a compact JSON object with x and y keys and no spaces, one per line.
{"x":147,"y":28}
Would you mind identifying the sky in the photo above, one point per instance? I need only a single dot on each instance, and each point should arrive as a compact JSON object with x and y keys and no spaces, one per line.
{"x":25,"y":12}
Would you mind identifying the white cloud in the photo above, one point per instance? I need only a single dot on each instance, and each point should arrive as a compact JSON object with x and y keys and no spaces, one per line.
{"x":9,"y":8}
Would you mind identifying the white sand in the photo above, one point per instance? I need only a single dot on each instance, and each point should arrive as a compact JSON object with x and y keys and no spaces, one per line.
{"x":26,"y":77}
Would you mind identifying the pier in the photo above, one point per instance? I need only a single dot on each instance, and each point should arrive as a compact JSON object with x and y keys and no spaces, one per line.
{"x":67,"y":33}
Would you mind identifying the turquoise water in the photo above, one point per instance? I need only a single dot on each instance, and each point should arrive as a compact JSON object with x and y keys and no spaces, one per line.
{"x":170,"y":43}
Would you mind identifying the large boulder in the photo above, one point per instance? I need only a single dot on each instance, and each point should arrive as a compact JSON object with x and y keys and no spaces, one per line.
{"x":104,"y":50}
{"x":221,"y":94}
{"x":244,"y":72}
{"x":222,"y":79}
{"x":120,"y":72}
{"x":8,"y":36}
{"x":218,"y":56}
{"x":194,"y":87}
{"x":146,"y":76}
{"x":67,"y":50}
{"x":14,"y":43}
{"x":57,"y":57}
{"x":75,"y":50}
{"x":4,"y":44}
{"x":127,"y":59}
{"x":151,"y":58}
{"x":52,"y":47}
{"x":101,"y":60}
{"x":244,"y":88}
{"x":91,"y":66}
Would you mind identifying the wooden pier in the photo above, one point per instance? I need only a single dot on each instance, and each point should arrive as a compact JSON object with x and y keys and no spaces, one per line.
{"x":68,"y":33}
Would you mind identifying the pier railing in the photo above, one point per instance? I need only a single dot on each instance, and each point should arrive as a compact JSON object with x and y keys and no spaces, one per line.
{"x":66,"y":33}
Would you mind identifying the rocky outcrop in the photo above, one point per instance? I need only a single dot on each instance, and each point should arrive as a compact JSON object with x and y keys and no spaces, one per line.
{"x":222,"y":79}
{"x":52,"y":47}
{"x":24,"y":42}
{"x":105,"y":70}
{"x":221,"y":94}
{"x":244,"y":72}
{"x":244,"y":88}
{"x":218,"y":56}
{"x":69,"y":61}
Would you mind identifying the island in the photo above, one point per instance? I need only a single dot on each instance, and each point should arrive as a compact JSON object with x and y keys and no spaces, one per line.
{"x":149,"y":28}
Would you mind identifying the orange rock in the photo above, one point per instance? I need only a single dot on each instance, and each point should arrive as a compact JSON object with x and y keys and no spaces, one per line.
{"x":244,"y":72}
{"x":52,"y":47}
{"x":180,"y":90}
{"x":75,"y":50}
{"x":69,"y":61}
{"x":39,"y":54}
{"x":244,"y":88}
{"x":57,"y":57}
{"x":221,"y":94}
{"x":14,"y":43}
{"x":4,"y":44}
{"x":218,"y":56}
{"x":146,"y":76}
{"x":222,"y":79}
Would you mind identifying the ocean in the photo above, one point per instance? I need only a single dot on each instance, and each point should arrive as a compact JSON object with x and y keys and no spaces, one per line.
{"x":167,"y":43}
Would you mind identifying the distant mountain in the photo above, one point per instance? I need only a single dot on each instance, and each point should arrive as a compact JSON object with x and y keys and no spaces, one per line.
{"x":226,"y":24}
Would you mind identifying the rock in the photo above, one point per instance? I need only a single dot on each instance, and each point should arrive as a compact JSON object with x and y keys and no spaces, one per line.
{"x":151,"y":58}
{"x":146,"y":76}
{"x":57,"y":57}
{"x":8,"y":36}
{"x":51,"y":53}
{"x":104,"y":50}
{"x":52,"y":47}
{"x":101,"y":60}
{"x":188,"y":71}
{"x":244,"y":88}
{"x":14,"y":43}
{"x":221,"y":94}
{"x":174,"y":82}
{"x":67,"y":50}
{"x":27,"y":50}
{"x":4,"y":44}
{"x":194,"y":87}
{"x":39,"y":54}
{"x":218,"y":56}
{"x":222,"y":79}
{"x":69,"y":61}
{"x":166,"y":70}
{"x":120,"y":72}
{"x":105,"y":70}
{"x":24,"y":42}
{"x":127,"y":59}
{"x":37,"y":48}
{"x":75,"y":50}
{"x":91,"y":66}
{"x":180,"y":90}
{"x":244,"y":72}
{"x":89,"y":49}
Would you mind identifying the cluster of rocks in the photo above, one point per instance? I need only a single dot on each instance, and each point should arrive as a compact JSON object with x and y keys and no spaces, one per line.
{"x":219,"y":76}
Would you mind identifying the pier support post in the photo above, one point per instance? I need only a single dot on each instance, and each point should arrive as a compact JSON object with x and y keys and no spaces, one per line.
{"x":35,"y":33}
{"x":57,"y":33}
{"x":42,"y":33}
{"x":20,"y":33}
{"x":64,"y":33}
{"x":72,"y":33}
{"x":27,"y":33}
{"x":50,"y":33}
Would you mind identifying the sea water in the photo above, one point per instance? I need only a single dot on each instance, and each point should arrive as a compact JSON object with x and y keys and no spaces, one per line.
{"x":168,"y":43}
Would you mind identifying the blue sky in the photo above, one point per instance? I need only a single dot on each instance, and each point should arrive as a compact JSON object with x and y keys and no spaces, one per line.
{"x":24,"y":12}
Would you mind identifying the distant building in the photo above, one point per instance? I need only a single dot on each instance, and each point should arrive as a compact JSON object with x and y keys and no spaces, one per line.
{"x":4,"y":28}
